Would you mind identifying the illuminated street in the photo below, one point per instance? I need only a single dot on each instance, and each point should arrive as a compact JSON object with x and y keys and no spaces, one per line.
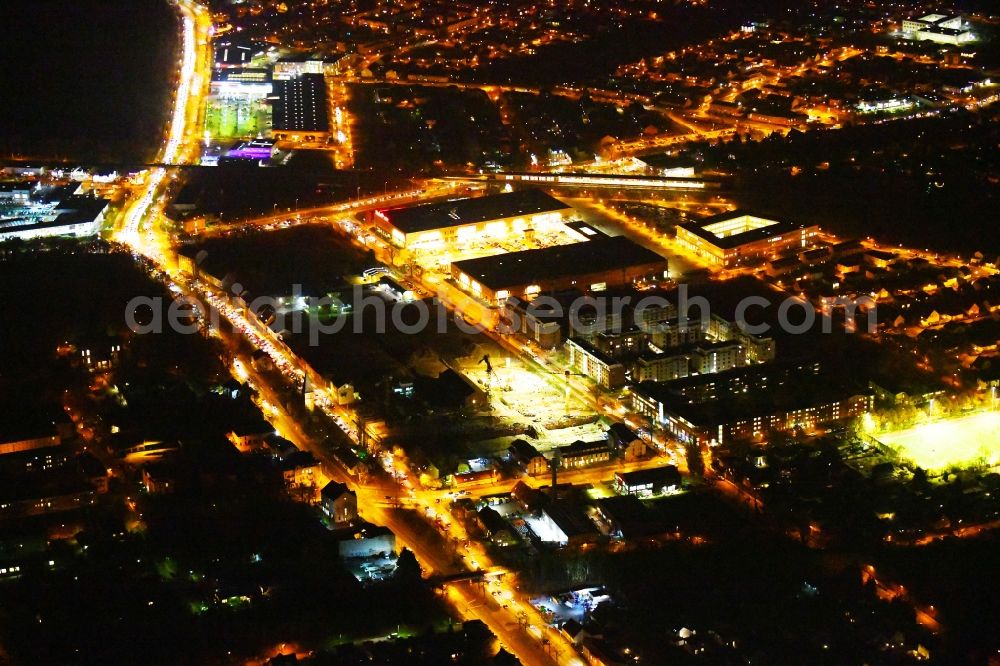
{"x":603,"y":333}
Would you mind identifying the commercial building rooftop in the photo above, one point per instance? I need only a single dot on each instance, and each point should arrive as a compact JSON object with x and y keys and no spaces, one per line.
{"x":79,"y":208}
{"x":738,"y":227}
{"x":425,"y":217}
{"x":49,"y":219}
{"x":629,"y":516}
{"x":655,"y":476}
{"x":300,"y":104}
{"x":936,"y":18}
{"x":529,"y":266}
{"x":570,"y":519}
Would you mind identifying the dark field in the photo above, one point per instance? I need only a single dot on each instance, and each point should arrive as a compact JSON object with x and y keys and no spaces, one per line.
{"x":93,"y":79}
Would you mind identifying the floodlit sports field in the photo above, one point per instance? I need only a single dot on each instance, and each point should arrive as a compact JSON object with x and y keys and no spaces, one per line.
{"x":950,"y":442}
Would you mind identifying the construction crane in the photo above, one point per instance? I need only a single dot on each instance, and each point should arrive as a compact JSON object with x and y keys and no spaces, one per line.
{"x":567,"y":374}
{"x":488,"y":385}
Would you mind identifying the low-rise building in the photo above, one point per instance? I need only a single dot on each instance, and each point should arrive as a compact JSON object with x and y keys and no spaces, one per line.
{"x":65,"y":489}
{"x":339,"y":503}
{"x":612,"y":359}
{"x":16,"y":191}
{"x":668,"y":166}
{"x":350,"y":461}
{"x":566,"y":525}
{"x":539,"y":321}
{"x":743,"y":237}
{"x":879,"y":258}
{"x":648,"y":482}
{"x":366,"y":541}
{"x":528,"y":498}
{"x":625,"y":517}
{"x":849,"y":264}
{"x":279,"y":447}
{"x":783,"y":266}
{"x":582,"y":454}
{"x":816,"y":256}
{"x":626,"y":443}
{"x":251,"y":434}
{"x":754,"y":348}
{"x":527,"y":458}
{"x":159,"y":478}
{"x":301,"y":469}
{"x":93,"y":470}
{"x":28,"y":440}
{"x":300,"y":108}
{"x":496,"y":527}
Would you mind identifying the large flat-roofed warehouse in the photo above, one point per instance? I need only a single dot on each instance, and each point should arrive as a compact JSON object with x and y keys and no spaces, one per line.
{"x":591,"y":265}
{"x":428,"y":225}
{"x":742,"y":237}
{"x":300,"y":109}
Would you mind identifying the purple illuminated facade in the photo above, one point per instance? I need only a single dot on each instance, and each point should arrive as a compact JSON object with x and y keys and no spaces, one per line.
{"x":252,"y":150}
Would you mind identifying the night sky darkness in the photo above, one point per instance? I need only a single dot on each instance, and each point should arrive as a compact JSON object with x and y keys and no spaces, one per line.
{"x":85,"y":79}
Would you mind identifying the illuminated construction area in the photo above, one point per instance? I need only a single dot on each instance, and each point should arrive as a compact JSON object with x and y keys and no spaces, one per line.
{"x":739,"y":237}
{"x":524,"y":395}
{"x":958,"y":442}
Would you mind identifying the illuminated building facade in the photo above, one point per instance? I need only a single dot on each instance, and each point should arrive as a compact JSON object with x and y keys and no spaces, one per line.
{"x":76,"y":216}
{"x":594,"y":363}
{"x":746,"y":403}
{"x":741,"y":237}
{"x":581,"y":454}
{"x":285,"y":70}
{"x":940,"y":28}
{"x":435,"y":224}
{"x":16,"y":192}
{"x":661,"y":367}
{"x":648,"y":482}
{"x":666,"y":350}
{"x":366,"y":541}
{"x":339,"y":503}
{"x":593,"y":265}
